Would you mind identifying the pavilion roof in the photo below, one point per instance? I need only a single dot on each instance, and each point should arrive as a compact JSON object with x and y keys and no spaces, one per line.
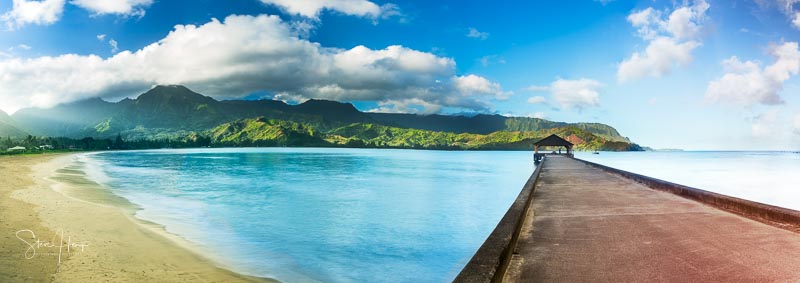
{"x":553,"y":140}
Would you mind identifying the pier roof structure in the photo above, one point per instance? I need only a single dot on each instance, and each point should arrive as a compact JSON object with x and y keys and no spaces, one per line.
{"x":552,"y":141}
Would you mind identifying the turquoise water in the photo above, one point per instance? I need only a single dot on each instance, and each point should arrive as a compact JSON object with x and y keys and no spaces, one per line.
{"x":766,"y":177}
{"x":332,"y":215}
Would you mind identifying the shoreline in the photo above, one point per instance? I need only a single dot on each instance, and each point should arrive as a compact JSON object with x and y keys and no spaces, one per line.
{"x":92,"y":232}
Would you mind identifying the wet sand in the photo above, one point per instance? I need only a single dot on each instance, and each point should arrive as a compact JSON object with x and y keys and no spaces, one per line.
{"x":85,"y":233}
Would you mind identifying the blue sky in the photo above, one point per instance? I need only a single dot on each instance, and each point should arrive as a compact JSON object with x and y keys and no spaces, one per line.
{"x":667,"y":74}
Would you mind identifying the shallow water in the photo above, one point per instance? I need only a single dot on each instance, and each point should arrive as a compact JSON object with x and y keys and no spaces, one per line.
{"x":333,"y":215}
{"x":766,"y":177}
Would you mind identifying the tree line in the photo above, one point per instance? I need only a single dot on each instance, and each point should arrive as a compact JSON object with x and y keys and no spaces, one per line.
{"x":34,"y":144}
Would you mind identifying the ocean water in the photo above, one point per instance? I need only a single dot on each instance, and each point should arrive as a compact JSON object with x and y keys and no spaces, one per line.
{"x":765,"y":177}
{"x":331,"y":215}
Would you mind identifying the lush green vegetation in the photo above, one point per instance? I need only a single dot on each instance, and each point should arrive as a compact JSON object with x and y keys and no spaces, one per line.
{"x":270,"y":132}
{"x":174,"y":116}
{"x":34,"y":144}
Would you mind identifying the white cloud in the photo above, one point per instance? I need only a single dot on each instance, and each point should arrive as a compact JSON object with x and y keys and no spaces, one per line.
{"x":539,"y":115}
{"x":471,"y":85}
{"x":244,"y":54}
{"x":411,"y":105}
{"x":101,"y":37}
{"x":114,"y":45}
{"x":646,"y":21}
{"x":579,"y":94}
{"x":312,"y":8}
{"x":796,"y":20}
{"x":537,"y":100}
{"x":18,"y":47}
{"x":670,"y":40}
{"x":658,"y":59}
{"x":117,"y":7}
{"x":747,"y":84}
{"x":568,"y":94}
{"x":390,"y":10}
{"x":303,"y":28}
{"x":474,"y":33}
{"x":25,"y":12}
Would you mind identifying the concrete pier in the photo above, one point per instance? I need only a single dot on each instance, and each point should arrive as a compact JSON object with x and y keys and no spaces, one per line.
{"x":586,"y":224}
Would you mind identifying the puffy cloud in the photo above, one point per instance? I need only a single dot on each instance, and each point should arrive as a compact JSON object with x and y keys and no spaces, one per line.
{"x":474,"y":33}
{"x":747,"y":84}
{"x":576,"y":93}
{"x":581,"y":93}
{"x":471,"y":85}
{"x":245,"y":54}
{"x":312,"y":8}
{"x":670,"y":40}
{"x":117,"y":7}
{"x":101,"y":37}
{"x":25,"y":12}
{"x":537,"y":100}
{"x":646,"y":21}
{"x":658,"y":59}
{"x":683,"y":22}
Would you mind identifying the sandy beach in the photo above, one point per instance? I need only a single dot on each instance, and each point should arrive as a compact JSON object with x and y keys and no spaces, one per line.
{"x":57,"y":226}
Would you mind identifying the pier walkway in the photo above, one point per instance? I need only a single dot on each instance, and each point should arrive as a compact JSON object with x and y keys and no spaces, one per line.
{"x":589,"y":225}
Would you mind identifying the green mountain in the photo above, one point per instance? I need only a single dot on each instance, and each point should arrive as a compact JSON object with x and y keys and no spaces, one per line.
{"x":485,"y":124}
{"x":8,"y":128}
{"x":176,"y":112}
{"x":267,"y":132}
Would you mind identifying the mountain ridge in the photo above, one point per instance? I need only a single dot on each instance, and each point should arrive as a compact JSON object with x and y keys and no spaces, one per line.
{"x":8,"y":128}
{"x":175,"y":111}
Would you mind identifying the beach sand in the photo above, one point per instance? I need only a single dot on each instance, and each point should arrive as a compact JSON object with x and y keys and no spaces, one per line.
{"x":93,"y":233}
